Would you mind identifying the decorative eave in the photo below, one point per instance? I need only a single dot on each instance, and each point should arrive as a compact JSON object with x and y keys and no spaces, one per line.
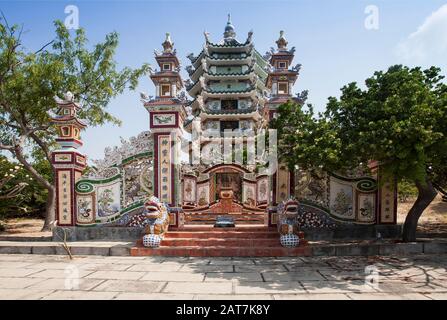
{"x":164,"y":102}
{"x":281,"y":99}
{"x":197,"y":73}
{"x":248,"y":90}
{"x":69,"y":104}
{"x":167,"y":57}
{"x":213,"y":76}
{"x":226,"y":47}
{"x":282,"y":55}
{"x":158,"y":76}
{"x":255,"y":115}
{"x":244,"y":94}
{"x":210,"y":61}
{"x":228,"y":61}
{"x":289,"y":74}
{"x":197,"y":86}
{"x":68,"y":120}
{"x":194,"y":60}
{"x":229,"y":112}
{"x":232,"y":44}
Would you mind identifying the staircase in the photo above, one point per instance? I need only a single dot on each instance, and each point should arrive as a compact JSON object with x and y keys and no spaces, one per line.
{"x":209,"y":218}
{"x":206,"y":241}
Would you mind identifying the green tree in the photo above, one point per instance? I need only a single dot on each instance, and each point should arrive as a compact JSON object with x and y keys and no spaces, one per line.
{"x":20,"y":194}
{"x":406,"y":190}
{"x":30,"y":80}
{"x":398,"y":119}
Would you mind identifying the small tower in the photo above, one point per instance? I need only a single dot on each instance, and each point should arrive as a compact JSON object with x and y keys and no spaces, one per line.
{"x":166,"y":116}
{"x":68,"y":125}
{"x":280,"y":81}
{"x":282,"y":78}
{"x":67,"y":160}
{"x":167,"y":81}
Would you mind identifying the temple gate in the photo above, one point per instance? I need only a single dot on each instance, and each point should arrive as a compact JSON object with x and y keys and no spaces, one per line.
{"x":234,"y":90}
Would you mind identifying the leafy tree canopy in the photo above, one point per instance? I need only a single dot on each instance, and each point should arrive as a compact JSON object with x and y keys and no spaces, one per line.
{"x":30,"y":80}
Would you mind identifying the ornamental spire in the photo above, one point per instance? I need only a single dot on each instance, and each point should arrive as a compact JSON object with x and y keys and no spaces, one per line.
{"x":229,"y":33}
{"x":281,"y":42}
{"x":167,"y":44}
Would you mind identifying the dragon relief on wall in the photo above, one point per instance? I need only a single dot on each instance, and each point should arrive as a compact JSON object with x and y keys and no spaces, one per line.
{"x":312,"y":185}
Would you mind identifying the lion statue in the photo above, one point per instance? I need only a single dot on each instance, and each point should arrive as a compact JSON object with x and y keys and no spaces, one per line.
{"x":288,"y":226}
{"x":157,"y":222}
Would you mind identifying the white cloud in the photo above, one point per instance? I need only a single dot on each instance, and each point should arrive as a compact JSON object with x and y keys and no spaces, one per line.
{"x":428,"y":42}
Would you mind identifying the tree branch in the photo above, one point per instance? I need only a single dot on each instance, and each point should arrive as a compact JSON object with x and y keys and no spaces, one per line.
{"x":43,"y":48}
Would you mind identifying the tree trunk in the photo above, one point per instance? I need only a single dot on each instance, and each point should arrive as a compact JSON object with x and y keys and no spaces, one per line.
{"x":426,"y":194}
{"x":50,"y":210}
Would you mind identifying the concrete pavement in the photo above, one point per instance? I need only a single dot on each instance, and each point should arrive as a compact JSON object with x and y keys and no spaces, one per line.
{"x":97,"y":277}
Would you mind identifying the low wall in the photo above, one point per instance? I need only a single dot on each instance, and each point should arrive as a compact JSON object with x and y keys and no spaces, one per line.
{"x":97,"y":233}
{"x":353,"y":232}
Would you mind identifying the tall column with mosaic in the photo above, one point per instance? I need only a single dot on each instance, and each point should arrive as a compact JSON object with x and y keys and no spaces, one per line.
{"x":67,"y":161}
{"x":166,"y":116}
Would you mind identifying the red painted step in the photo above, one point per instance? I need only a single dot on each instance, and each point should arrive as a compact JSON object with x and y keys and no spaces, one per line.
{"x":211,"y":242}
{"x":222,"y":234}
{"x":199,"y":241}
{"x":195,"y":227}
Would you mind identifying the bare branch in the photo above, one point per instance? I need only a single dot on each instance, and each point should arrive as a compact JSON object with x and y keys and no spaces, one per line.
{"x":43,"y":48}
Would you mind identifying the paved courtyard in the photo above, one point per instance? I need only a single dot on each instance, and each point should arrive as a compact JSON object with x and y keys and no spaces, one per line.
{"x":95,"y":277}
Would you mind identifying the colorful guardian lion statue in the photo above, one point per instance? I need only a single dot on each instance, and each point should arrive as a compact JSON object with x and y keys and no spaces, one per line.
{"x":288,"y":226}
{"x":156,"y":224}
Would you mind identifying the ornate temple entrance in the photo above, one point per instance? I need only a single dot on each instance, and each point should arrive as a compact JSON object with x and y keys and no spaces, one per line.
{"x":225,"y":189}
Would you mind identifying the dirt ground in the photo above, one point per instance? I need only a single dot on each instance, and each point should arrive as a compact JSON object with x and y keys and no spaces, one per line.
{"x":434,"y":220}
{"x":23,"y":227}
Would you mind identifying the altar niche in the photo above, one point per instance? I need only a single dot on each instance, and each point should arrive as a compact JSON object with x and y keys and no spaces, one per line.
{"x":231,"y":181}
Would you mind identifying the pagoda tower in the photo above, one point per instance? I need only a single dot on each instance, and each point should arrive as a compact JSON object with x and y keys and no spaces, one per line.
{"x":280,"y":81}
{"x":166,"y":116}
{"x":67,"y":160}
{"x":227,"y":83}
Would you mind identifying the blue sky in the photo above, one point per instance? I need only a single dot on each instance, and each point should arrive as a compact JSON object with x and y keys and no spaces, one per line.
{"x":330,"y":37}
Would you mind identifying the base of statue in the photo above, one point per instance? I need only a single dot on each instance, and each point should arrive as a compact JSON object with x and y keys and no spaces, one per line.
{"x":224,"y":222}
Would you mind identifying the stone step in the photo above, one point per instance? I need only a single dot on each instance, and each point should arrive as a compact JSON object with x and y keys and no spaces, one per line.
{"x":222,"y":234}
{"x":211,"y":242}
{"x":251,"y":227}
{"x":221,"y":251}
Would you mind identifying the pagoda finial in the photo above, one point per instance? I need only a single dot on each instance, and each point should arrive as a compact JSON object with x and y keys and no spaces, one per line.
{"x":167,"y":44}
{"x":281,"y":42}
{"x":229,"y":33}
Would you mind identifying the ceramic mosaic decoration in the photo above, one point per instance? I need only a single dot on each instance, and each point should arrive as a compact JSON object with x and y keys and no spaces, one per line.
{"x":157,"y":222}
{"x":288,"y":226}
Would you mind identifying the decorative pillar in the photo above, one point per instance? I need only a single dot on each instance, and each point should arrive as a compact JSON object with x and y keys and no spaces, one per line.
{"x":166,"y":116}
{"x":67,"y":161}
